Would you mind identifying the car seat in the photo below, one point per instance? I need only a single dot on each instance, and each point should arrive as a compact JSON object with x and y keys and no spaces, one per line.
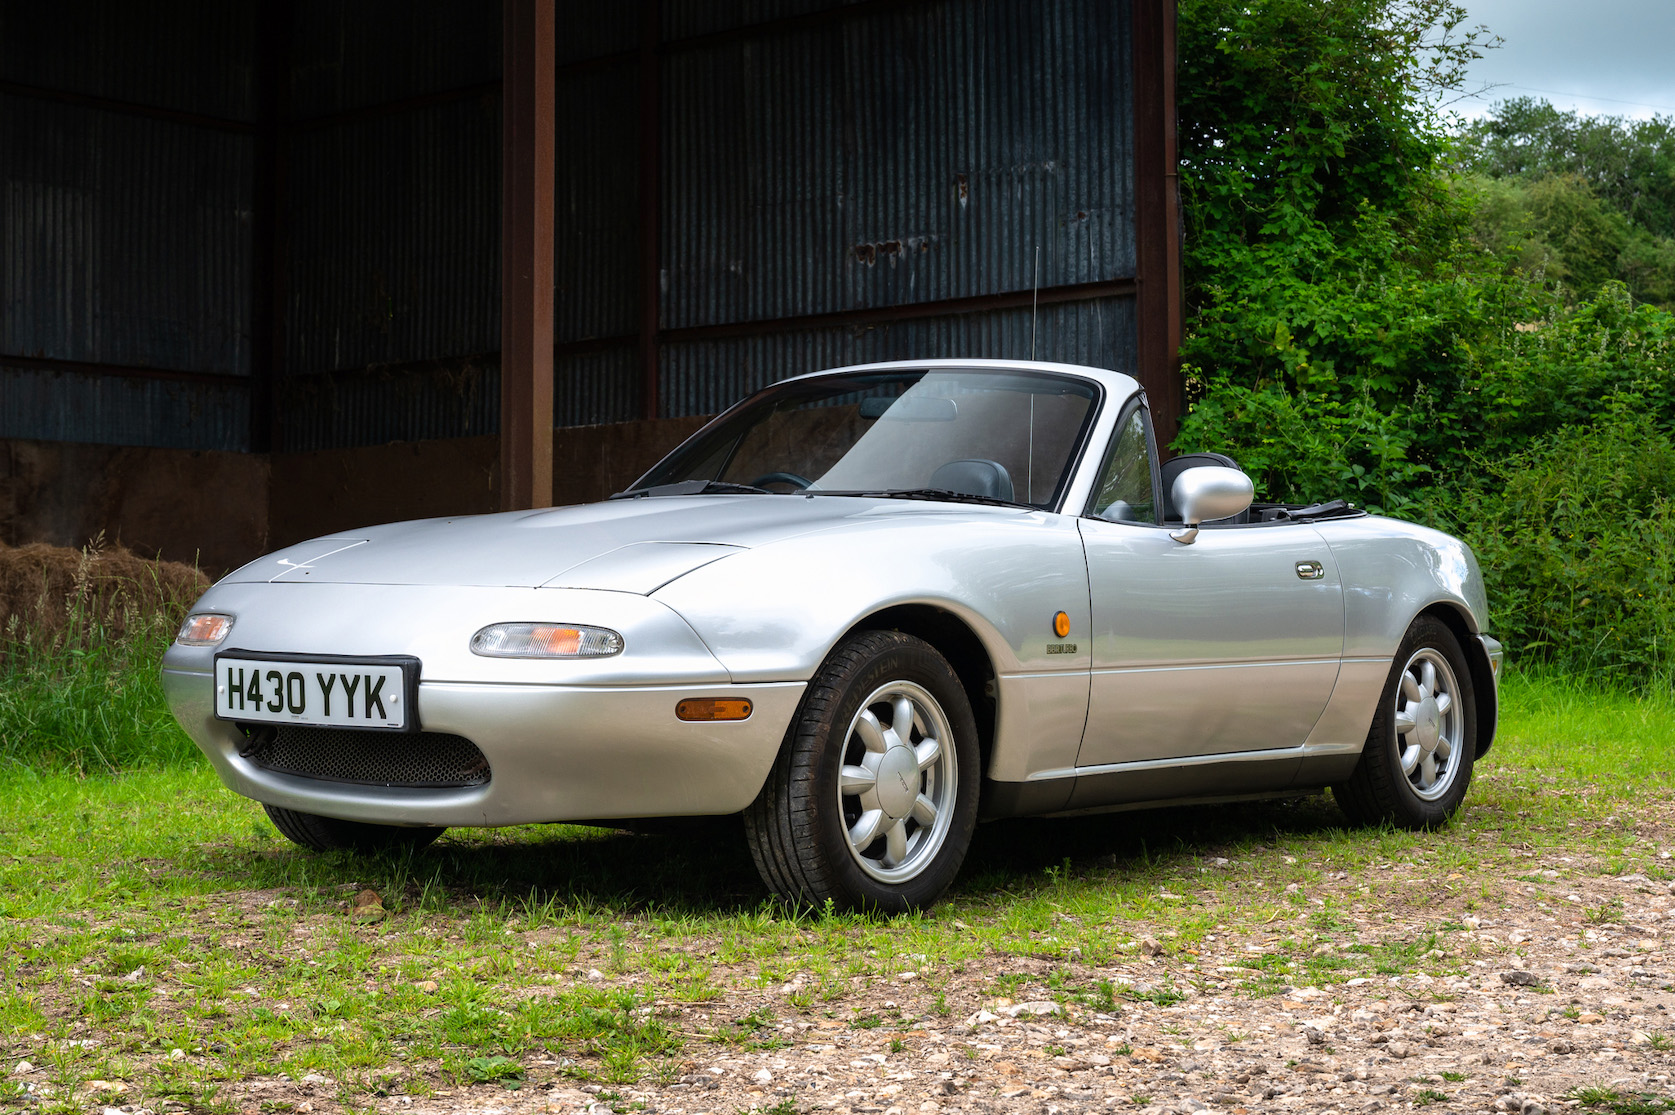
{"x":975,"y":477}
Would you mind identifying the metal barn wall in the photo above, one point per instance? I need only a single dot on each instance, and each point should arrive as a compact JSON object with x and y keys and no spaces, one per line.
{"x":389,"y":224}
{"x":274,"y":225}
{"x":597,"y":238}
{"x":125,"y":237}
{"x":816,"y":165}
{"x":704,"y":377}
{"x":834,"y":182}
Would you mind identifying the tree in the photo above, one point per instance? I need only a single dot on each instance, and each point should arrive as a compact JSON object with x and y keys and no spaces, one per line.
{"x":1365,"y":321}
{"x":1323,"y":249}
{"x":1295,"y":113}
{"x":1630,"y":164}
{"x":1576,"y":200}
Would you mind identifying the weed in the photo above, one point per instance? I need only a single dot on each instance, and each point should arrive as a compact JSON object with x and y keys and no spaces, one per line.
{"x":1103,"y":997}
{"x":1616,"y":1103}
{"x":783,"y":1107}
{"x":1162,"y":996}
{"x":491,"y":1070}
{"x":1605,"y":912}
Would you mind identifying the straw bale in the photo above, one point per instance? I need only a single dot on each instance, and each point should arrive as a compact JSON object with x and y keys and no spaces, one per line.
{"x":53,"y":594}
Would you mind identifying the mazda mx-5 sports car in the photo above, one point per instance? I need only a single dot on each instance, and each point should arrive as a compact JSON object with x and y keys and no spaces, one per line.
{"x":866,"y":608}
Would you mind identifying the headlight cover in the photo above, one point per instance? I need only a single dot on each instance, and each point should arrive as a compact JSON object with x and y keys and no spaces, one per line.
{"x":545,"y":640}
{"x":205,"y":629}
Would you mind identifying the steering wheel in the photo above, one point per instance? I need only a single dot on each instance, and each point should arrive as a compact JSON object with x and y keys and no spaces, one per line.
{"x":798,"y":483}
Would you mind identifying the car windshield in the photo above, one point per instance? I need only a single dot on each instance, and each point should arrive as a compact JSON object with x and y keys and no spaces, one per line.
{"x":995,"y":436}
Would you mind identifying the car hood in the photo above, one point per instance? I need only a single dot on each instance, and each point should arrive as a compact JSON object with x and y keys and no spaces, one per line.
{"x":630,"y":545}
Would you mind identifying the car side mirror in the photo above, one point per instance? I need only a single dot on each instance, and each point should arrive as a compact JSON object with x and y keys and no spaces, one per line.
{"x":1206,"y":493}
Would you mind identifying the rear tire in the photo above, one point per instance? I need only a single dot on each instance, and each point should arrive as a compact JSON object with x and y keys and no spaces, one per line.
{"x":1417,"y":761}
{"x":873,"y":799}
{"x":331,"y":834}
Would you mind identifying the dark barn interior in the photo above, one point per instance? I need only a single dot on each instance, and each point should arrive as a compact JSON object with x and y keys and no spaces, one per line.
{"x":271,"y":268}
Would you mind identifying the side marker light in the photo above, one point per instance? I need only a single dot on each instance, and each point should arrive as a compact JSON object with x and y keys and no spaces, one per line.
{"x":713,"y":708}
{"x":1061,"y":625}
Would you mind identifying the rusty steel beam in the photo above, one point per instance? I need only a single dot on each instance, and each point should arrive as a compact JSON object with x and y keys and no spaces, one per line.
{"x":651,"y":203}
{"x":129,"y":108}
{"x":128,"y":371}
{"x":1157,"y":216}
{"x":867,"y":315}
{"x":247,"y":127}
{"x":528,"y":149}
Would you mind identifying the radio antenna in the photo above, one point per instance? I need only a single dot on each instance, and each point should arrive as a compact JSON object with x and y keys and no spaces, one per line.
{"x":1035,"y":303}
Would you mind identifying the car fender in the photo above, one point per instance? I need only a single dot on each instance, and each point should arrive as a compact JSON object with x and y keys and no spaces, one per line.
{"x":1392,"y":572}
{"x":774,"y":613}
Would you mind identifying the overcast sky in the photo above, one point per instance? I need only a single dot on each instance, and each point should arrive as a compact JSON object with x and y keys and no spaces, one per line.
{"x":1608,"y":57}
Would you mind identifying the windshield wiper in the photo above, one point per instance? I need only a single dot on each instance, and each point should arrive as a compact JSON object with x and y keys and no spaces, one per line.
{"x":946,"y":495}
{"x":691,"y":488}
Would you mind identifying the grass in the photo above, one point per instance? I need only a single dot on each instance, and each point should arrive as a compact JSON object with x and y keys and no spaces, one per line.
{"x":1616,"y":1103}
{"x":81,"y":634}
{"x":95,"y":706}
{"x":154,"y":911}
{"x":1572,"y":729}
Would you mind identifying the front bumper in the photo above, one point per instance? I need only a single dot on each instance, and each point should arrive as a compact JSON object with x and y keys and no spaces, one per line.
{"x":566,"y":740}
{"x":1489,"y":710}
{"x":556,"y":753}
{"x":1497,"y":655}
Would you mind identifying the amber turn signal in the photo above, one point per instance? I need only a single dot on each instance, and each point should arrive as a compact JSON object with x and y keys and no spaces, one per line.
{"x":205,"y":629}
{"x":1061,"y":625}
{"x":713,"y":708}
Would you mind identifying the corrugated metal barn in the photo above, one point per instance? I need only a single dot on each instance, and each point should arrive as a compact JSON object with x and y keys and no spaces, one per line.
{"x":276,"y":267}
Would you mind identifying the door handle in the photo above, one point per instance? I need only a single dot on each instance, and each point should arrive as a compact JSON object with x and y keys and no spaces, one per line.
{"x":1310,"y":570}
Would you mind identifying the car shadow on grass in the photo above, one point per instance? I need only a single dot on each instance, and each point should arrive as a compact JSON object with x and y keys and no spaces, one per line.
{"x":702,"y":867}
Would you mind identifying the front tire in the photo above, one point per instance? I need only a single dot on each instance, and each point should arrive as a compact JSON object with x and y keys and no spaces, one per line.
{"x":1417,"y":761}
{"x":873,"y":799}
{"x":331,"y":834}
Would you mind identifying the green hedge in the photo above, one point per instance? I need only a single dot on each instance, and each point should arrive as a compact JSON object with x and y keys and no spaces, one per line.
{"x":1352,"y":331}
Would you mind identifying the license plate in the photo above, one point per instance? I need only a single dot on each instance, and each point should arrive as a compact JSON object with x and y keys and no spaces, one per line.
{"x":326,"y":691}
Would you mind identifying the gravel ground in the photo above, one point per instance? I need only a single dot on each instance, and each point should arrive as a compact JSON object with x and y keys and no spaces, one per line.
{"x":1529,"y":979}
{"x":1550,"y":1003}
{"x":1530,"y":1006}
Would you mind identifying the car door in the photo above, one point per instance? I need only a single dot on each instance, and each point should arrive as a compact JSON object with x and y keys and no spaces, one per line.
{"x":1225,"y":646}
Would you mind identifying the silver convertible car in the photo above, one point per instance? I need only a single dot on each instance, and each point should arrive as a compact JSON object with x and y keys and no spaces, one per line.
{"x":866,"y":608}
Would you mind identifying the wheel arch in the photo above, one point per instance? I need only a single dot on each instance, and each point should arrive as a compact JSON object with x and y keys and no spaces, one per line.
{"x":1464,"y":627}
{"x":955,"y":640}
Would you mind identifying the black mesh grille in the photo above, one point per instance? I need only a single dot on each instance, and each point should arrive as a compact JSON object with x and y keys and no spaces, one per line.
{"x":425,"y":759}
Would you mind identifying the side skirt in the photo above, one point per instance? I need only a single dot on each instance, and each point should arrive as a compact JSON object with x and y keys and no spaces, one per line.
{"x":1249,"y":777}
